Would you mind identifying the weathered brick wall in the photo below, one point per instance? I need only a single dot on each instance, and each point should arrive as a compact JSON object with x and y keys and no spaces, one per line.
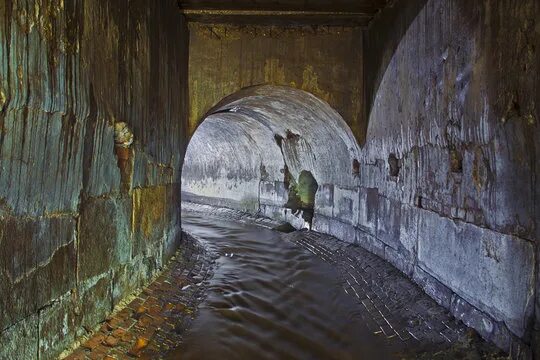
{"x":80,"y":228}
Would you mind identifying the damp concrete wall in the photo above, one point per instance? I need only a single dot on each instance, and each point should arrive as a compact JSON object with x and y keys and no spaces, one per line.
{"x":226,"y":160}
{"x":86,"y":215}
{"x":323,"y":60}
{"x":453,"y":103}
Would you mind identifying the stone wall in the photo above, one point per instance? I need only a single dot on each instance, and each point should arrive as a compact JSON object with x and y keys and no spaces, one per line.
{"x":326,"y":61}
{"x":448,"y":171}
{"x":85,"y":219}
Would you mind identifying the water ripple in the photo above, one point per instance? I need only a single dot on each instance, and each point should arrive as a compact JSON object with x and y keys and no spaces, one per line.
{"x":270,"y":299}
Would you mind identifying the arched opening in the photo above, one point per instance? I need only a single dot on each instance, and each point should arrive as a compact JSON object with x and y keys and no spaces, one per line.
{"x":267,"y":150}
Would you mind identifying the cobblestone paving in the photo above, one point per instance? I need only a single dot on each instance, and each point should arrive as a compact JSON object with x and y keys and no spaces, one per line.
{"x":392,"y":306}
{"x":154,"y":322}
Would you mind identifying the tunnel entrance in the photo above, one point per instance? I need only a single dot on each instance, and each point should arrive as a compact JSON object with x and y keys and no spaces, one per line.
{"x":267,"y":150}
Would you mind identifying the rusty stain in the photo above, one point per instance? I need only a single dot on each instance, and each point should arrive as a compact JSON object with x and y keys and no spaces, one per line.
{"x":310,"y":83}
{"x":479,"y":171}
{"x":149,"y":209}
{"x":237,"y":32}
{"x":274,"y":72}
{"x":23,"y":21}
{"x":20,"y":75}
{"x":3,"y":99}
{"x":456,"y":161}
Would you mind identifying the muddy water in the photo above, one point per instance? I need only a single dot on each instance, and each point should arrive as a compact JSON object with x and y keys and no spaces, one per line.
{"x":270,"y":299}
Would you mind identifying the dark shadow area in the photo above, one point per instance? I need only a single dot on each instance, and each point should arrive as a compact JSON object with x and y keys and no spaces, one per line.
{"x":381,"y":41}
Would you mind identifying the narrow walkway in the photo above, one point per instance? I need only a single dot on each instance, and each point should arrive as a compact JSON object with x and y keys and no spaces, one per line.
{"x":153,"y":323}
{"x":246,"y":292}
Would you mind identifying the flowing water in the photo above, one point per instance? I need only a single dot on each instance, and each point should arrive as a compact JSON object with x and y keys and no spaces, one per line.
{"x":271,"y":299}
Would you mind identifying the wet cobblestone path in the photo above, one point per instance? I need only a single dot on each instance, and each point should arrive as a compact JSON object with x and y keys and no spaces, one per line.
{"x":245,"y":292}
{"x":153,"y":323}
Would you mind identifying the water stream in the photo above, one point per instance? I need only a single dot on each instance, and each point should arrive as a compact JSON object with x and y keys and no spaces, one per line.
{"x":271,"y":299}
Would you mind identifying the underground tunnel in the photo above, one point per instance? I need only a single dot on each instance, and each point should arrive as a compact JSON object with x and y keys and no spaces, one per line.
{"x":269,"y":179}
{"x":266,"y":150}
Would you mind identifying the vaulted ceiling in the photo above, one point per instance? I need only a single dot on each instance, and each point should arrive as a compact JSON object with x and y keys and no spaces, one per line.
{"x":283,"y":12}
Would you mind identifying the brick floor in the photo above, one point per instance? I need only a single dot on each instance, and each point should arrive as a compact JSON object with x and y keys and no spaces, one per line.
{"x":392,"y":306}
{"x":154,"y":322}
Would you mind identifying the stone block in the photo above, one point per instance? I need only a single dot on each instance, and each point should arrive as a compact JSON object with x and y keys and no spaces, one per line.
{"x":342,"y":231}
{"x":367,"y":210}
{"x":104,"y":235}
{"x":273,"y":212}
{"x":492,"y":271}
{"x":126,"y":279}
{"x":101,"y":172}
{"x":58,"y":326}
{"x":472,"y":317}
{"x":129,"y":277}
{"x":172,"y":239}
{"x":153,"y":209}
{"x":434,"y":288}
{"x":282,"y":193}
{"x":370,"y":243}
{"x":273,"y":193}
{"x":321,"y":223}
{"x":389,"y":221}
{"x":20,"y":341}
{"x":408,"y":230}
{"x":346,"y":205}
{"x":400,"y":260}
{"x":344,"y":209}
{"x":95,"y":301}
{"x":324,"y":200}
{"x":147,"y":172}
{"x":34,"y":253}
{"x":22,"y":185}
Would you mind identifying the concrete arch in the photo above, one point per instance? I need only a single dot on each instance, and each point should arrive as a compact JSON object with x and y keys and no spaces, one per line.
{"x":254,"y":144}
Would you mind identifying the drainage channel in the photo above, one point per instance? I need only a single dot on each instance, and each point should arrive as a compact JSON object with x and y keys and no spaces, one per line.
{"x":272,"y":299}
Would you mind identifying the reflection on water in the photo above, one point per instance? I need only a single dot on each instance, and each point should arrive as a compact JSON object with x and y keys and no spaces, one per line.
{"x":270,"y":299}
